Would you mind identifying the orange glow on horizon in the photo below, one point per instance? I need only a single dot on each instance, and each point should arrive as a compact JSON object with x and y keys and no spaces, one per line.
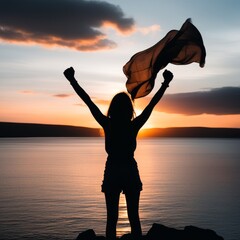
{"x":54,"y":111}
{"x":228,"y":121}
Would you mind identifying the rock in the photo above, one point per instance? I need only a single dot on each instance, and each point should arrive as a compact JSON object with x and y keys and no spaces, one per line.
{"x":126,"y":237}
{"x":100,"y":238}
{"x":87,"y":235}
{"x":196,"y":233}
{"x":159,"y":231}
{"x":189,"y":233}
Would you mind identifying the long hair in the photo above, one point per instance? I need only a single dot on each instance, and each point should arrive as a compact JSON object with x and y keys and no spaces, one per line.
{"x":121,"y":107}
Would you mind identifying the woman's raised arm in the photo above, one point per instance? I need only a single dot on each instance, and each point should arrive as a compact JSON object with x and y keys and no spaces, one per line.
{"x":97,"y":114}
{"x":143,"y":117}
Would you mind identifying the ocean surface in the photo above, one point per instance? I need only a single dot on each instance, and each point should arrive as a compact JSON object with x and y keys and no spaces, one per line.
{"x":50,"y":188}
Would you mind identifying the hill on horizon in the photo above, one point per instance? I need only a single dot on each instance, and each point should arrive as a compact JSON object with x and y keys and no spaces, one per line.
{"x":11,"y":129}
{"x":192,"y":132}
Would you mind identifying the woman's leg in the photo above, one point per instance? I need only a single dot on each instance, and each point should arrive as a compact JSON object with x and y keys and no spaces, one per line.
{"x":112,"y":202}
{"x":132,"y":199}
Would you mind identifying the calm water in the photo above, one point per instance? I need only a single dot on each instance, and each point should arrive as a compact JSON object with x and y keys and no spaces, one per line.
{"x":50,"y":187}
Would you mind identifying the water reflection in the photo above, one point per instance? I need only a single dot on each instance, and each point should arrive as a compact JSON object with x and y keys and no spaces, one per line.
{"x":123,"y":222}
{"x":51,"y":188}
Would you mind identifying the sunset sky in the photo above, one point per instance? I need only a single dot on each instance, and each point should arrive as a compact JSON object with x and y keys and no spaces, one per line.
{"x":39,"y":39}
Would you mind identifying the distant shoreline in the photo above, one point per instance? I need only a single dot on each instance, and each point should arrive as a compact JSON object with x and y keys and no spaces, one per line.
{"x":14,"y":130}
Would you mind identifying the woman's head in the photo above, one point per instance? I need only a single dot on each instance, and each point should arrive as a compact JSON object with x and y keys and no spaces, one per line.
{"x":121,"y":107}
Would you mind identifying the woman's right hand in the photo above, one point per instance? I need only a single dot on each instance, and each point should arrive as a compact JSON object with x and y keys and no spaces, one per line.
{"x":69,"y":74}
{"x":168,"y":76}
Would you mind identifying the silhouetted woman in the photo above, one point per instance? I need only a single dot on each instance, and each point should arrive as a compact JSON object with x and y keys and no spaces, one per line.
{"x":121,"y":171}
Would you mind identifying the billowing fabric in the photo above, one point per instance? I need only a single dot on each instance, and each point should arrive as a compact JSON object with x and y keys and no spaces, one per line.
{"x":177,"y":47}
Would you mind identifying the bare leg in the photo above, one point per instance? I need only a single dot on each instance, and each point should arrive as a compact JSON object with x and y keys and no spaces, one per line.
{"x":112,"y":202}
{"x":132,"y":199}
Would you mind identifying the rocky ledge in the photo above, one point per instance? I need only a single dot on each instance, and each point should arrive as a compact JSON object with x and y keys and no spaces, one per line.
{"x":161,"y":232}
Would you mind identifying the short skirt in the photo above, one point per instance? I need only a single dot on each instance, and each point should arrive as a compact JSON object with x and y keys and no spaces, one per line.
{"x":121,"y":177}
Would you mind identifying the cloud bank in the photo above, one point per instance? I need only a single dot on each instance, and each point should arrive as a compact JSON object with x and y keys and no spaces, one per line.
{"x":69,"y":23}
{"x":218,"y":101}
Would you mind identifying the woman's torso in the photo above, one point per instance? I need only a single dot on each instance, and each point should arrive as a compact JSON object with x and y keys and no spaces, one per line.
{"x":120,"y":141}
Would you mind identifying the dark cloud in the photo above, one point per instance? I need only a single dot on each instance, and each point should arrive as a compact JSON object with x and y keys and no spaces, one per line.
{"x":62,"y":95}
{"x":69,"y":23}
{"x":218,"y":101}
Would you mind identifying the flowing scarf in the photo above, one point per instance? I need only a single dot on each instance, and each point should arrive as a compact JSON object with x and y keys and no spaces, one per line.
{"x":177,"y":47}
